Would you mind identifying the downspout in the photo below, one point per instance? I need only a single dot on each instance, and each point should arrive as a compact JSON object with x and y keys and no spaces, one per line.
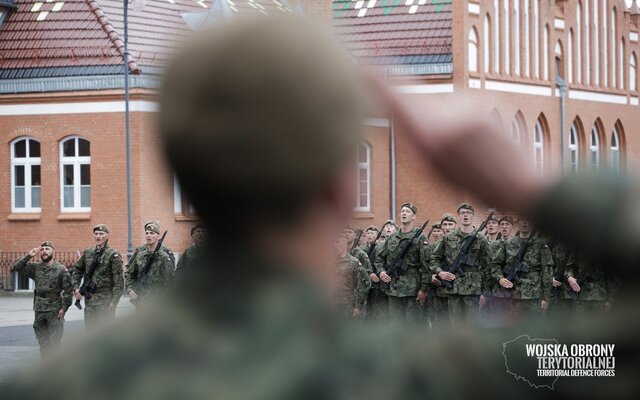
{"x":562,"y":86}
{"x":392,"y":158}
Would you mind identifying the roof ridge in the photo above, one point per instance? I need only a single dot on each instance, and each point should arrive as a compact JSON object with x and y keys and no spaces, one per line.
{"x":112,"y":34}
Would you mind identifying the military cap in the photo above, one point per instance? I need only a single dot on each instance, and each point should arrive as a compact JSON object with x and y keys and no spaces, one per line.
{"x":350,"y":227}
{"x":199,"y":225}
{"x":153,"y":226}
{"x":493,"y":218}
{"x":436,"y":226}
{"x":507,"y":218}
{"x":229,"y":129}
{"x":101,"y":228}
{"x":372,"y":228}
{"x":448,"y":217}
{"x":465,"y":206}
{"x":47,"y":243}
{"x":411,"y":207}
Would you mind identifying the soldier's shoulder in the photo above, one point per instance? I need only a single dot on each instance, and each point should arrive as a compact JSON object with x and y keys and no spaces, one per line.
{"x":113,"y":253}
{"x":59,"y":267}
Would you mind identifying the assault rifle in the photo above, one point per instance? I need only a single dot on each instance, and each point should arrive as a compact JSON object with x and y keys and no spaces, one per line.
{"x":513,"y":271}
{"x":143,"y":275}
{"x":462,"y":258}
{"x":88,"y":288}
{"x":398,"y":266}
{"x":373,"y":245}
{"x":356,"y":241}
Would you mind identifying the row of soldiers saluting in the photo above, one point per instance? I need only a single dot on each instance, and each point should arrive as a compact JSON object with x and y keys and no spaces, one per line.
{"x":457,"y":273}
{"x":100,"y":279}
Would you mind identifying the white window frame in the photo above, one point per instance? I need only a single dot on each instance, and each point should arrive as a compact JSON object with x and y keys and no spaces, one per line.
{"x":579,"y":43}
{"x":574,"y":149}
{"x":536,"y":39}
{"x":505,"y":37}
{"x":594,"y":148}
{"x":538,"y":147}
{"x":177,"y":199}
{"x":527,"y":52}
{"x":605,"y":45}
{"x":587,"y":49}
{"x":516,"y":37}
{"x":570,"y":57}
{"x":473,"y":50}
{"x":367,"y":167}
{"x":612,"y":51}
{"x":27,"y":162}
{"x":633,"y":73}
{"x":516,"y":135}
{"x":596,"y":45}
{"x":621,"y":64}
{"x":545,"y":55}
{"x":615,"y":151}
{"x":496,"y":37}
{"x":486,"y":44}
{"x":76,"y":161}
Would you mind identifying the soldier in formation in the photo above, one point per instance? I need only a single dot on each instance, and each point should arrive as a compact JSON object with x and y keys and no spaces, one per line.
{"x":52,"y":295}
{"x":188,"y":257}
{"x":353,"y":282}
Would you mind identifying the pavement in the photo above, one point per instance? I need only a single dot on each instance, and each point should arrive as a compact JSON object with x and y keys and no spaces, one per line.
{"x":18,"y":345}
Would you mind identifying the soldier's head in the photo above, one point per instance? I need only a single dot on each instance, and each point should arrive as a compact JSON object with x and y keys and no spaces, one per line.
{"x":199,"y":234}
{"x":372,"y":232}
{"x":448,"y":223}
{"x":524,"y":226}
{"x":47,"y":251}
{"x":101,"y":233}
{"x":390,"y":227}
{"x":408,"y":213}
{"x":340,"y":246}
{"x":493,"y":226}
{"x":436,"y":233}
{"x":383,"y":238}
{"x":264,"y":116}
{"x":506,"y":226}
{"x":350,"y":232}
{"x":465,"y":214}
{"x":152,"y":232}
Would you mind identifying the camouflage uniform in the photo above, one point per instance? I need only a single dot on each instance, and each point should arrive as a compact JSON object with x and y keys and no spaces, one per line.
{"x":159,"y":276}
{"x":596,"y":290}
{"x":402,"y":291}
{"x":188,"y":257}
{"x":377,"y":301}
{"x":354,"y":286}
{"x":109,"y":282}
{"x":53,"y":293}
{"x":464,"y":297}
{"x":560,"y":302}
{"x":535,"y":285}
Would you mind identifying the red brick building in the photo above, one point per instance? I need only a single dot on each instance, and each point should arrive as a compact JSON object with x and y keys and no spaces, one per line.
{"x":62,"y":123}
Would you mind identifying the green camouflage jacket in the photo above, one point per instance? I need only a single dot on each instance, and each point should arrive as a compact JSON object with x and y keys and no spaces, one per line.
{"x":595,"y":285}
{"x":354,"y":284}
{"x":361,"y":256}
{"x":446,"y":251}
{"x":107,"y":276}
{"x":187,"y":258}
{"x":536,"y":284}
{"x":160,"y":273}
{"x":49,"y":281}
{"x":417,"y":276}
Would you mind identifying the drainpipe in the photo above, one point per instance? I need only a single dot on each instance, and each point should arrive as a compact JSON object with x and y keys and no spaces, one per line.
{"x":562,"y":86}
{"x":392,"y":158}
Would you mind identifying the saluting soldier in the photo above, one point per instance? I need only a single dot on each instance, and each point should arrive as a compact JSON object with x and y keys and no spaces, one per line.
{"x":52,"y":296}
{"x":354,"y":282}
{"x":529,"y":297}
{"x":466,"y":293}
{"x":408,"y":292}
{"x":101,"y":264}
{"x":143,"y":284}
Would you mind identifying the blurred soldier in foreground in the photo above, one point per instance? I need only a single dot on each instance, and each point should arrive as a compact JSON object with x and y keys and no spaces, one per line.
{"x":252,"y":322}
{"x":353,"y":282}
{"x":52,"y":296}
{"x":150,"y":268}
{"x":98,"y":278}
{"x":191,"y":253}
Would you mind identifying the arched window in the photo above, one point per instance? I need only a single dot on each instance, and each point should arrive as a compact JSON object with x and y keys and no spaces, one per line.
{"x":516,"y":37}
{"x":633,"y":73}
{"x":579,"y":42}
{"x":570,"y":56}
{"x":545,"y":53}
{"x":473,"y":50}
{"x":364,"y":178}
{"x":536,"y":39}
{"x":605,"y":45}
{"x":527,"y":58}
{"x":594,"y":148}
{"x":75,"y":175}
{"x":505,"y":37}
{"x":574,"y":144}
{"x":587,"y":49}
{"x":518,"y":129}
{"x":538,"y":147}
{"x":486,"y":43}
{"x":612,"y":51}
{"x":496,"y":36}
{"x":181,"y":205}
{"x":621,"y":64}
{"x":25,"y":175}
{"x":559,"y":60}
{"x":615,"y":149}
{"x":596,"y":44}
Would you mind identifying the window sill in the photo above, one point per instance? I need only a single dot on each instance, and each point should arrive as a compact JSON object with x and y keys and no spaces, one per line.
{"x":362,"y":215}
{"x":180,"y":217}
{"x":74,"y":217}
{"x":24,"y":217}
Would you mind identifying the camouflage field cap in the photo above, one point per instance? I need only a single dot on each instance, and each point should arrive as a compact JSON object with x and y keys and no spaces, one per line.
{"x":436,"y":226}
{"x":493,"y":218}
{"x":411,"y":207}
{"x":506,"y":218}
{"x":101,"y":228}
{"x":465,"y":206}
{"x":448,"y":217}
{"x":263,"y":109}
{"x":372,"y":228}
{"x":47,"y":243}
{"x":153,"y":226}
